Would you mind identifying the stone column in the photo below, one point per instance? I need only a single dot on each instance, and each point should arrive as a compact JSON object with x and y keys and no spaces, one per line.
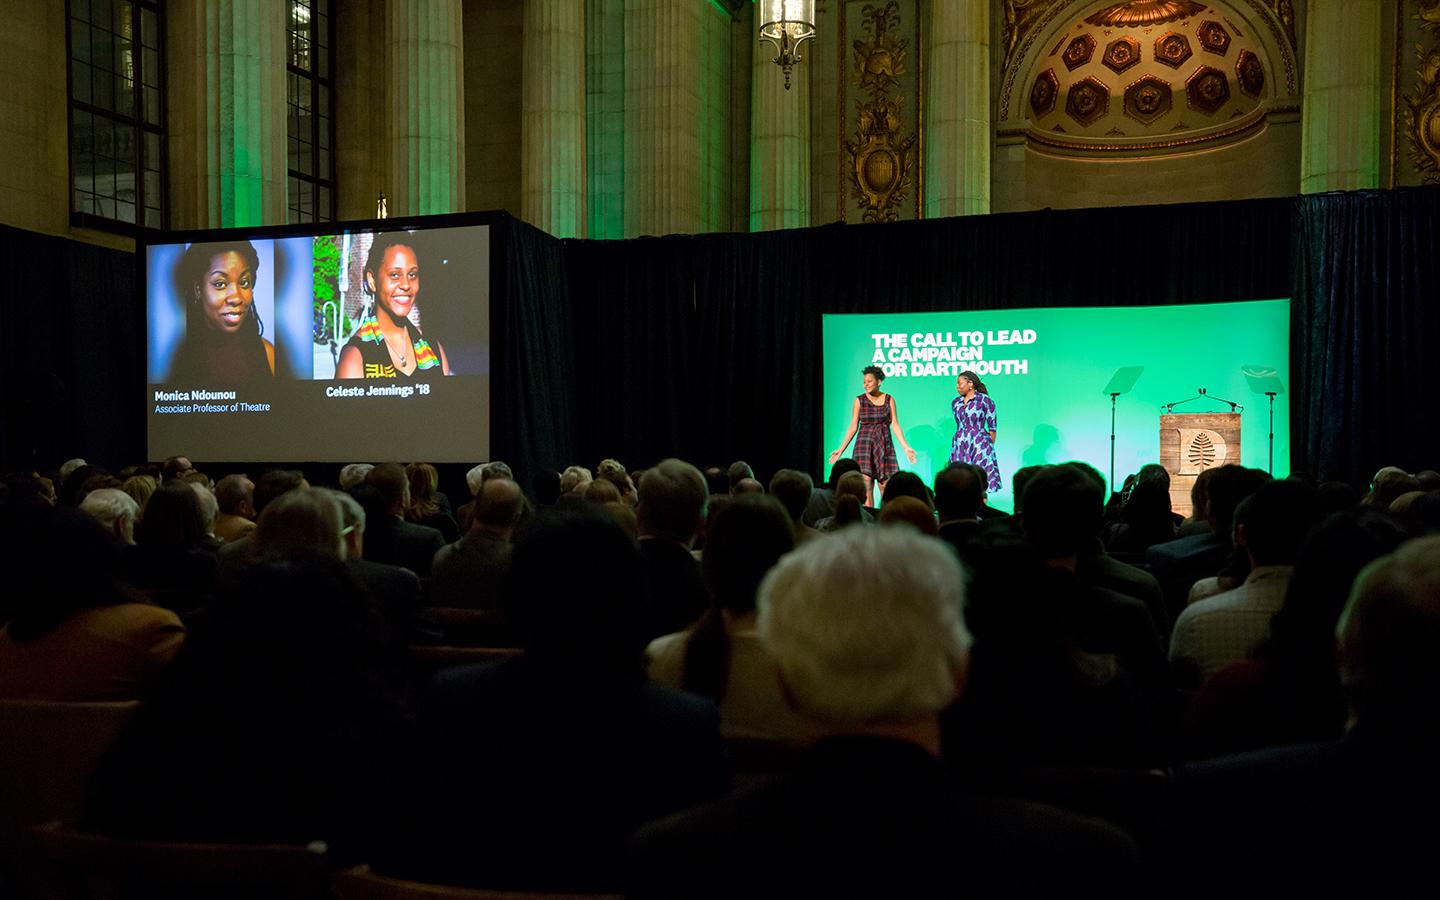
{"x":425,"y":106}
{"x":227,"y":103}
{"x":779,"y":142}
{"x":662,"y":116}
{"x":605,"y":118}
{"x":957,"y":72}
{"x":1340,"y":116}
{"x":552,"y":117}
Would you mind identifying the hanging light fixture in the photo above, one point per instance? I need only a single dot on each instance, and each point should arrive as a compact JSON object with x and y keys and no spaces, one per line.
{"x":787,"y":24}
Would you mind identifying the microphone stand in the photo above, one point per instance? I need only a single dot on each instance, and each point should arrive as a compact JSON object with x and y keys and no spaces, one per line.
{"x":1271,"y":395}
{"x":1113,"y":396}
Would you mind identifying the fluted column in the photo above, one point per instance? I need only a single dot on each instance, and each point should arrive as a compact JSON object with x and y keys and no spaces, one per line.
{"x":552,"y":117}
{"x":1340,"y":119}
{"x":425,"y":106}
{"x":605,"y":118}
{"x":662,"y":116}
{"x":957,"y":148}
{"x":779,"y":144}
{"x":227,"y":129}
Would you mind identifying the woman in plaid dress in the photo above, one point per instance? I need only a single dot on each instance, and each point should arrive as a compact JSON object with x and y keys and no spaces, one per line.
{"x":874,"y":416}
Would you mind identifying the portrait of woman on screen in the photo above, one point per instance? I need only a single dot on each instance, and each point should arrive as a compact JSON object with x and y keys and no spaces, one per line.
{"x":388,"y":343}
{"x":224,"y":338}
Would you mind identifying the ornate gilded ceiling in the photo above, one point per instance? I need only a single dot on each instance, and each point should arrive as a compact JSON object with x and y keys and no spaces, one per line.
{"x":1146,"y":76}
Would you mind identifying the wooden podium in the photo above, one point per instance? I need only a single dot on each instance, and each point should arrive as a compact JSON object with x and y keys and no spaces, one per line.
{"x":1190,"y":443}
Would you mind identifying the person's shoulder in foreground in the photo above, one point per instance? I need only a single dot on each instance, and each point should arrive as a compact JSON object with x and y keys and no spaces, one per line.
{"x":870,"y":654}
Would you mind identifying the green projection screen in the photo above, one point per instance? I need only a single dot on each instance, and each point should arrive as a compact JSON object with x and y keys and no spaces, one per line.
{"x":1047,"y":370}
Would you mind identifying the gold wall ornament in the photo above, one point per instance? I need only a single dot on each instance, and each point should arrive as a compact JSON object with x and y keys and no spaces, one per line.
{"x":881,"y":159}
{"x":1422,"y":116}
{"x":883,"y":154}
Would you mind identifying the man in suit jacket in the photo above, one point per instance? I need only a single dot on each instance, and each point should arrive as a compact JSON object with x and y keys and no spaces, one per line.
{"x":673,"y":500}
{"x":471,"y":571}
{"x":1178,"y":564}
{"x":400,"y":543}
{"x":870,"y":652}
{"x":958,"y":495}
{"x":532,"y":773}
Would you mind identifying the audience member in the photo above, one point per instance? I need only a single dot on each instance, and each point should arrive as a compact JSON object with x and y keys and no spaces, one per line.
{"x":279,"y":722}
{"x":871,"y":652}
{"x":1094,"y":566}
{"x":1063,"y":511}
{"x":822,"y":500}
{"x":139,"y":487}
{"x":673,"y":498}
{"x":793,"y":489}
{"x":174,"y":467}
{"x":957,"y":506}
{"x":907,"y":484}
{"x":1178,"y":564}
{"x":235,"y":495}
{"x":910,"y":511}
{"x":427,"y":505}
{"x":988,"y":513}
{"x":1033,"y":695}
{"x":738,"y":472}
{"x":353,"y":475}
{"x":602,"y":491}
{"x":849,"y":503}
{"x":174,"y":553}
{"x":721,"y":656}
{"x":73,"y":634}
{"x":1290,"y":691}
{"x":1229,"y":626}
{"x":747,"y":486}
{"x":1145,"y":518}
{"x":471,"y":572}
{"x":533,"y":772}
{"x":1352,"y":816}
{"x":234,"y":555}
{"x":475,"y":479}
{"x":574,"y":478}
{"x":116,"y":510}
{"x":389,"y":538}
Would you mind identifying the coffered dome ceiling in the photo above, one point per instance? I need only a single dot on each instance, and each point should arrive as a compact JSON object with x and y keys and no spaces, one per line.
{"x":1148,"y":76}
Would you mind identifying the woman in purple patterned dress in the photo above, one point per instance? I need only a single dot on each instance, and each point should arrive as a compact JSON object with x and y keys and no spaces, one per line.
{"x":874,"y":415}
{"x":974,"y":441}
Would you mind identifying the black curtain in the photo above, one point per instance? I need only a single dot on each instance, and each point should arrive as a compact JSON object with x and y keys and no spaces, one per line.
{"x":708,"y":347}
{"x":72,"y":334}
{"x":719,"y":335}
{"x":1366,"y":332}
{"x":533,"y":417}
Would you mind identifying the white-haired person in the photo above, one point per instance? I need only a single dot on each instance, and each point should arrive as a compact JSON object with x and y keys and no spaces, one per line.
{"x":870,"y":650}
{"x":354,"y":474}
{"x":475,"y":480}
{"x":114,"y":509}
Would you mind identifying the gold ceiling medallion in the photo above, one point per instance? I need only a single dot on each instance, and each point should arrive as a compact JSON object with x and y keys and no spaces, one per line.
{"x":1145,"y":12}
{"x":1422,"y":110}
{"x":882,"y":155}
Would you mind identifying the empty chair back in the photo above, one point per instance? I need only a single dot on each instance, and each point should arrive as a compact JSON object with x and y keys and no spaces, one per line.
{"x":362,"y":884}
{"x":76,"y":865}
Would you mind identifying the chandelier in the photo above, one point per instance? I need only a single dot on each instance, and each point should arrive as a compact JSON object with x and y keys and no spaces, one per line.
{"x":787,"y":24}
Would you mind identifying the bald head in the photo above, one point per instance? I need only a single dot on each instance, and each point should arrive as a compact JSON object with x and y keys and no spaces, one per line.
{"x":497,"y":506}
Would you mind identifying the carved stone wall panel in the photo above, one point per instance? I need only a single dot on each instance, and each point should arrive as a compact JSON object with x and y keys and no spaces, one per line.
{"x":881,"y":101}
{"x":1417,"y":112}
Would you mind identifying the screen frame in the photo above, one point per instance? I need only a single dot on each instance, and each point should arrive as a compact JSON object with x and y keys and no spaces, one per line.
{"x":496,"y":220}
